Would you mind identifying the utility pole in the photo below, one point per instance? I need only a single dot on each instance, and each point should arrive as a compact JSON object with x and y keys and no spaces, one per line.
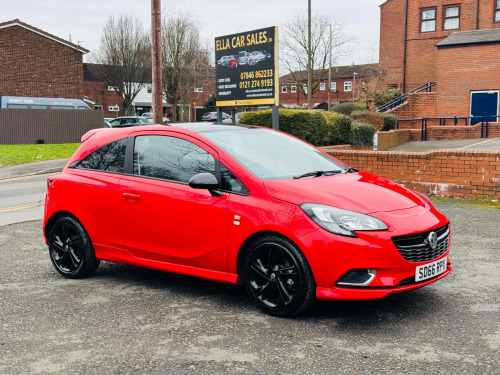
{"x":157,"y":101}
{"x":309,"y":64}
{"x":330,"y":72}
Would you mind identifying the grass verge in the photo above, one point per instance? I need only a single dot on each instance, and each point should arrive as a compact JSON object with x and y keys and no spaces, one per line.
{"x":21,"y":154}
{"x":469,"y":201}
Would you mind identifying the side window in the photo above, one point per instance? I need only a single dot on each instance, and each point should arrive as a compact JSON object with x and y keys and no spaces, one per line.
{"x":231,"y":183}
{"x":170,"y":158}
{"x":108,"y":158}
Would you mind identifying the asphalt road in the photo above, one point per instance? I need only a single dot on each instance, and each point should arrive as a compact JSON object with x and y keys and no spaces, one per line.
{"x":22,"y":199}
{"x":126,"y":319}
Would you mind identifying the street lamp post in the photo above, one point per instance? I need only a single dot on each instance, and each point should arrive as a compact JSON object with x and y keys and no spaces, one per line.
{"x":353,"y":84}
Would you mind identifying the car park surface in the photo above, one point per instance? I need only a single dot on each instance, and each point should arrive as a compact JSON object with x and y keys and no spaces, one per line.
{"x":126,"y":319}
{"x":291,"y":223}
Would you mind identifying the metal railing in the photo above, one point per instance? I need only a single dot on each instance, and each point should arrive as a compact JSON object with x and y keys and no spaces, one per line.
{"x":402,"y":98}
{"x":468,"y":121}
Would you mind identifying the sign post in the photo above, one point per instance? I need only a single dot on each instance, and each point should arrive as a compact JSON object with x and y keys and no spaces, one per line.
{"x":246,"y":70}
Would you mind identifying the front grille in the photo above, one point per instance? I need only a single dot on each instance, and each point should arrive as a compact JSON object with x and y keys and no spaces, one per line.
{"x":415,"y":247}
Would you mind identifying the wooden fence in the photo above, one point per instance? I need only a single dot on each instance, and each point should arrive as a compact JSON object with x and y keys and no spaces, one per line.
{"x":22,"y":126}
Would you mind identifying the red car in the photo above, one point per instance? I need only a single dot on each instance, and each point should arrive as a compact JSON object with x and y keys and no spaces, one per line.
{"x":233,"y":63}
{"x":243,"y":205}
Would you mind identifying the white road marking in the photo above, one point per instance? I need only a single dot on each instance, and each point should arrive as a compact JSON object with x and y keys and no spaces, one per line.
{"x":475,"y":144}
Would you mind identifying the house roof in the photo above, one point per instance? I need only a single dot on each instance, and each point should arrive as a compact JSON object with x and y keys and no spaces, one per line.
{"x":338,"y":72}
{"x":468,"y":38}
{"x":66,"y":43}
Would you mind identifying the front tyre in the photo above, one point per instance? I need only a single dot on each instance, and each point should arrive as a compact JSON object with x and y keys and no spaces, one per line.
{"x":70,"y":249}
{"x":278,"y":277}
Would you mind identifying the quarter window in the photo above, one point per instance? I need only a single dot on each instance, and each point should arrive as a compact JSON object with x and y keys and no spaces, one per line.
{"x":451,"y":17}
{"x":347,"y":86}
{"x":108,"y":158}
{"x":497,"y":11}
{"x":231,"y":183}
{"x":428,"y":20}
{"x":170,"y":158}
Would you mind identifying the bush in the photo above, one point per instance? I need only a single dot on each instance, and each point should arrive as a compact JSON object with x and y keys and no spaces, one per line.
{"x":361,"y":134}
{"x":309,"y":126}
{"x":338,"y":128}
{"x":382,"y":97}
{"x":348,"y":108}
{"x":390,"y":122}
{"x":376,"y":119}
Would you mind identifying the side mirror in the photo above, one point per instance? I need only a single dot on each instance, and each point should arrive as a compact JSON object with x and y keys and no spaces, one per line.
{"x":205,"y":181}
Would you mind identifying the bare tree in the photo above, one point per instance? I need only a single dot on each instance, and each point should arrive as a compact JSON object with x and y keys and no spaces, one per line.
{"x":294,"y":48}
{"x":124,"y":57}
{"x":185,"y":60}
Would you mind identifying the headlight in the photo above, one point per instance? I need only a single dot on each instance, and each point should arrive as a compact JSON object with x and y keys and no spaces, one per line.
{"x":341,"y":222}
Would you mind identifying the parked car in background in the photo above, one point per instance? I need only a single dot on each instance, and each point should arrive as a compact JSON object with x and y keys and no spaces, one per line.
{"x":124,"y":121}
{"x":107,"y":124}
{"x":233,"y":63}
{"x":212,"y":116}
{"x":229,"y":120}
{"x":255,"y":57}
{"x":150,"y":115}
{"x":224,"y":59}
{"x":242,"y":205}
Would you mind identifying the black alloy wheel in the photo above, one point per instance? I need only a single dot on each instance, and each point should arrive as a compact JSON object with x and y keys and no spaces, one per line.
{"x":70,"y":249}
{"x":278,"y":277}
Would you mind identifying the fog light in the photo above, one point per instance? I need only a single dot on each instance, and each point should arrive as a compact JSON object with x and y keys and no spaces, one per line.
{"x":357,"y":277}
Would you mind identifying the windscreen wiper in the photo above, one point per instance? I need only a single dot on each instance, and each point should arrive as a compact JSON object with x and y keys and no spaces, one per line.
{"x":318,"y":173}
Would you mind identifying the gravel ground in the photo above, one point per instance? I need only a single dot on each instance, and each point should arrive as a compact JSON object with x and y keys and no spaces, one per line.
{"x":126,"y":319}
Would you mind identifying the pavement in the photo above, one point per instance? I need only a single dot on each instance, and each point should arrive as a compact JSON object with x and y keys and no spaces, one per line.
{"x":32,"y":169}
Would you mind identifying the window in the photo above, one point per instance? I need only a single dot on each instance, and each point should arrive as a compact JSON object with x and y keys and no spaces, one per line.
{"x":347,"y":86}
{"x":322,"y":86}
{"x":333,"y":86}
{"x":305,"y":89}
{"x":284,"y":89}
{"x":113,"y":108}
{"x":497,"y":11}
{"x":109,"y":158}
{"x":427,"y":20}
{"x":198,"y":89}
{"x":451,"y":17}
{"x":293,"y":89}
{"x":231,"y":183}
{"x":170,"y":158}
{"x":111,"y":88}
{"x":150,"y":89}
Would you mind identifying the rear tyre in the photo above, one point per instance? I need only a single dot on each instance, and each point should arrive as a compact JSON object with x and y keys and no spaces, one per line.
{"x":70,"y":249}
{"x":278,"y":277}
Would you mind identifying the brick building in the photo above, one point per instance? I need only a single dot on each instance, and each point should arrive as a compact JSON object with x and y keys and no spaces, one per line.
{"x":454,"y":43}
{"x":345,"y":81}
{"x":36,"y":63}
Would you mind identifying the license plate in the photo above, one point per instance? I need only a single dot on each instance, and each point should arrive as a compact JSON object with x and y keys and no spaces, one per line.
{"x":430,"y":270}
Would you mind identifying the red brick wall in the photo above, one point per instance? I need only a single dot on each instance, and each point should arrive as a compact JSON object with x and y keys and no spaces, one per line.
{"x":422,"y":104}
{"x":33,"y":65}
{"x":421,"y":54}
{"x":442,"y":172}
{"x":392,"y":35}
{"x":320,"y":96}
{"x":98,"y":90}
{"x":392,"y":138}
{"x":462,"y":70}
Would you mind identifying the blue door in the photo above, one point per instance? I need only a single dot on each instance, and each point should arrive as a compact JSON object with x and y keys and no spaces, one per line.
{"x":484,"y":103}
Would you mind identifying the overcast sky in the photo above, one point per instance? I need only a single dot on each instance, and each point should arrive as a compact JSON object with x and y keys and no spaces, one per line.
{"x":84,"y":20}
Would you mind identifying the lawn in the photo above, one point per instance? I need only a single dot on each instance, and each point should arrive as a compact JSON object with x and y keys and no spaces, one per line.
{"x":20,"y":154}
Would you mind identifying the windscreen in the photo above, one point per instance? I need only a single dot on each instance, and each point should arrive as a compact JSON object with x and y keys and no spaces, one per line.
{"x":271,"y":155}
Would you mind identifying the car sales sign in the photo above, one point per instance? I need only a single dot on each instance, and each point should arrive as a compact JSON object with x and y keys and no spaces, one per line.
{"x":246,"y":68}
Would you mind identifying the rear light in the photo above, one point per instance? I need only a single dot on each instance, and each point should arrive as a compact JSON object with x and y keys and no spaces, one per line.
{"x":50,"y":181}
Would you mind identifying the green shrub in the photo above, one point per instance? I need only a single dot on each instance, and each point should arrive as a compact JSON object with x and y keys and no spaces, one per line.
{"x":362,"y":134}
{"x":376,"y":119}
{"x":390,"y":122}
{"x":309,"y":126}
{"x":382,"y":97}
{"x":338,"y":128}
{"x":348,"y":108}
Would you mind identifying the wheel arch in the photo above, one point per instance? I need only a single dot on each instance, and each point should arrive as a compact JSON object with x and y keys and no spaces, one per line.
{"x":56,"y":216}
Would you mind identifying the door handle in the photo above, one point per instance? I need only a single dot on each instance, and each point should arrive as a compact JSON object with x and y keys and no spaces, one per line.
{"x":131,"y":196}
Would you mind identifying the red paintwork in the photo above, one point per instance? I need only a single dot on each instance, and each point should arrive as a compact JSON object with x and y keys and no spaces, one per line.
{"x":171,"y":227}
{"x":232,"y":63}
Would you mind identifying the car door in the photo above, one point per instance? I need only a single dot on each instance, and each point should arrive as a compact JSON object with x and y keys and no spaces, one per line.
{"x":161,"y":217}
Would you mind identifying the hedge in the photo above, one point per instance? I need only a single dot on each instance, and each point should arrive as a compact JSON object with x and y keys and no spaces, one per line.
{"x":390,"y":122}
{"x":348,"y":108}
{"x":338,"y":128}
{"x":309,"y":126}
{"x":382,"y":97}
{"x":376,"y":119}
{"x":361,"y":134}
